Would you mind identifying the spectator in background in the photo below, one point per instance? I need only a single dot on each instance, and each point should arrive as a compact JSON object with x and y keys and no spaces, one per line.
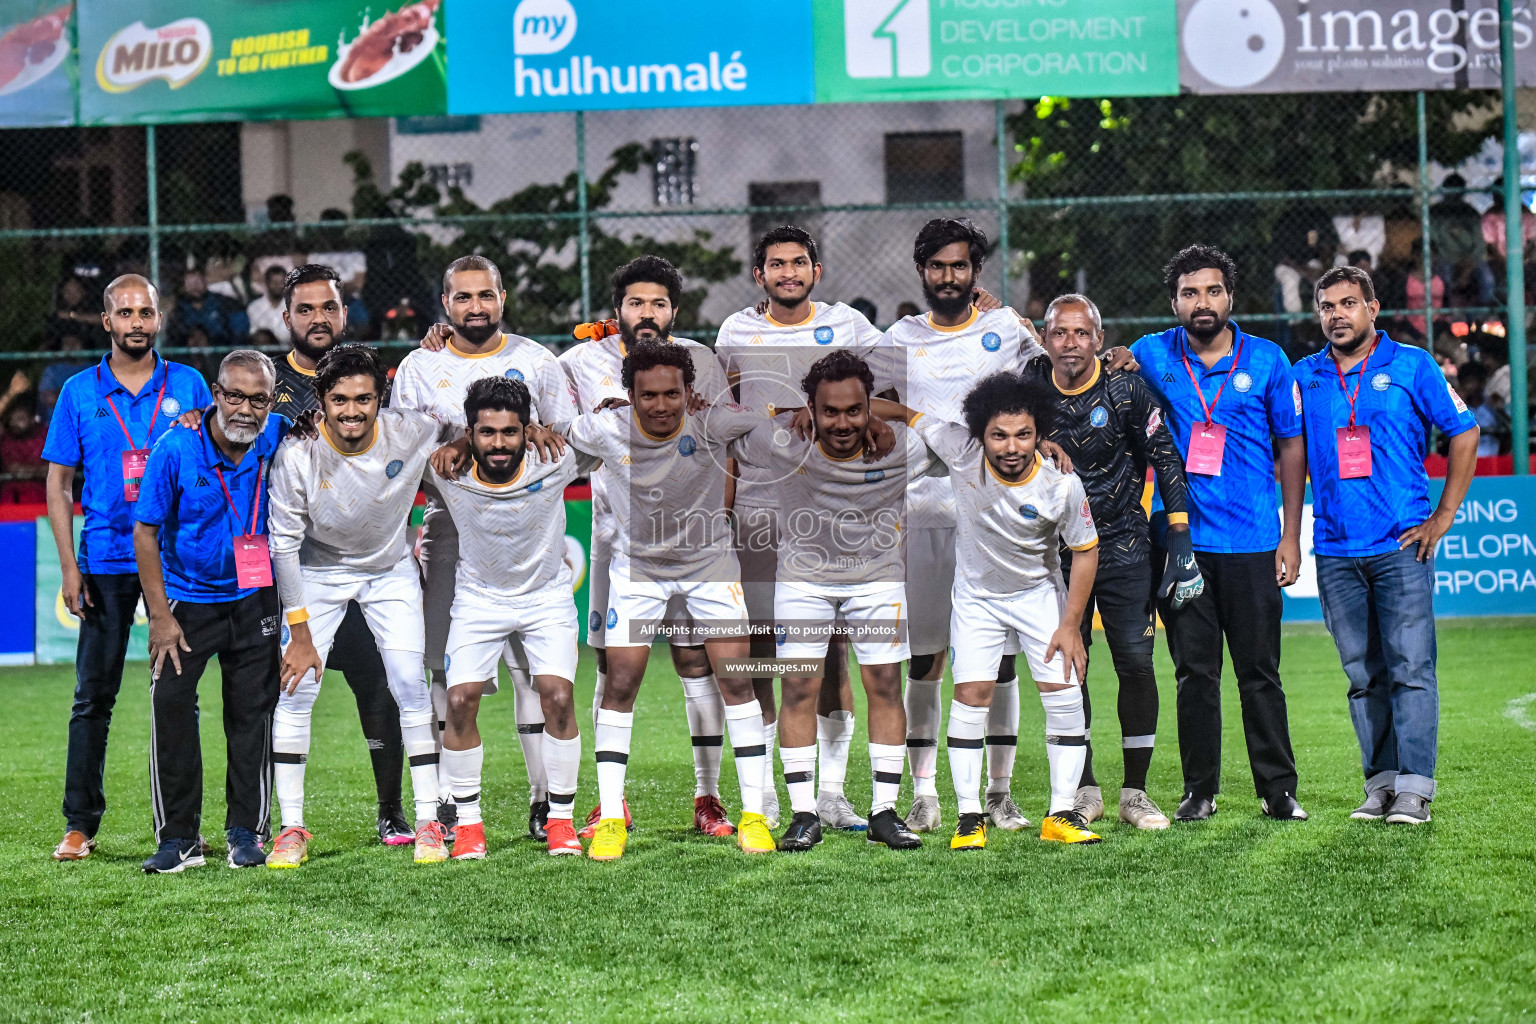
{"x":866,"y":307}
{"x":263,"y":338}
{"x":906,"y":309}
{"x":1456,"y":244}
{"x":1471,"y":380}
{"x":334,"y":249}
{"x":74,"y":314}
{"x":1493,"y":232}
{"x":1362,"y":259}
{"x":265,"y":312}
{"x":21,"y":446}
{"x":55,"y":374}
{"x":1492,"y":352}
{"x":1413,"y":293}
{"x":278,"y":245}
{"x":202,"y":318}
{"x":1357,"y":234}
{"x":223,"y":274}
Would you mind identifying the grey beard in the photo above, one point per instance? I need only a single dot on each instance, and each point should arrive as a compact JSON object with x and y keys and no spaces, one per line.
{"x":237,"y":433}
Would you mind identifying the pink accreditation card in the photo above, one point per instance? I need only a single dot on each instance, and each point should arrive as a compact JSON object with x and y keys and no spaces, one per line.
{"x":1354,"y":452}
{"x":253,"y":563}
{"x":134,"y":461}
{"x":1206,"y":443}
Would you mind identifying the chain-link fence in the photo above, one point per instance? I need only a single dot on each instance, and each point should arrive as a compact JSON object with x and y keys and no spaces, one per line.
{"x":1082,"y":195}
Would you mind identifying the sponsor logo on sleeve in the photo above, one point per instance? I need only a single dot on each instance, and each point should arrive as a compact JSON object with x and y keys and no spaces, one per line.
{"x":1296,"y":396}
{"x":1154,"y":421}
{"x":1456,"y":398}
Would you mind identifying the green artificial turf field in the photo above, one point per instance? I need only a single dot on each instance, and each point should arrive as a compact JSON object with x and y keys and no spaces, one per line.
{"x":1239,"y":918}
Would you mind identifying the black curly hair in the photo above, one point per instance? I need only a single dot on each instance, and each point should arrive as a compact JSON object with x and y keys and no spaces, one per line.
{"x":942,"y":231}
{"x":499,"y":394}
{"x":788,"y":234}
{"x":647,"y":270}
{"x":839,"y":364}
{"x":649,"y":354}
{"x":1197,"y":257}
{"x":1005,"y":394}
{"x":350,"y":360}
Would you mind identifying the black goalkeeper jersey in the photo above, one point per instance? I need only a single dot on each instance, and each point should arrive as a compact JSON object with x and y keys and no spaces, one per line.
{"x":295,"y":389}
{"x":1112,"y":430}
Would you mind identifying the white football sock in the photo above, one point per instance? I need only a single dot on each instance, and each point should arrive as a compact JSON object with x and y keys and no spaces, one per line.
{"x":290,"y":749}
{"x":597,"y":695}
{"x":612,"y":745}
{"x":834,"y":734}
{"x":800,"y":777}
{"x":562,"y":766}
{"x":439,"y":687}
{"x":423,"y":716}
{"x":967,"y":727}
{"x":749,"y":745}
{"x":428,"y":785}
{"x":529,"y":715}
{"x":1002,"y":736}
{"x":885,"y":763}
{"x":706,"y":725}
{"x":1065,"y":744}
{"x":462,"y":768}
{"x":923,"y":715}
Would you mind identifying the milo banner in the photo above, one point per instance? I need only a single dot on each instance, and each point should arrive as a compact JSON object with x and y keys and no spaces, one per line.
{"x":37,"y":65}
{"x":973,"y":49}
{"x":190,"y":60}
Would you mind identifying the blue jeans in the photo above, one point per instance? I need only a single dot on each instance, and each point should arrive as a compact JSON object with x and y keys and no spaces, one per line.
{"x":1381,"y":613}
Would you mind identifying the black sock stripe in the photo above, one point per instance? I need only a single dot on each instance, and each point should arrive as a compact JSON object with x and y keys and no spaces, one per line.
{"x":530,"y":730}
{"x":709,"y":741}
{"x":614,"y":756}
{"x":955,"y":741}
{"x":760,"y":750}
{"x":417,"y":760}
{"x":562,"y":798}
{"x":918,"y":741}
{"x":472,"y":798}
{"x":1002,"y":741}
{"x":790,"y":778}
{"x":1068,"y":741}
{"x":894,"y":778}
{"x":280,"y":758}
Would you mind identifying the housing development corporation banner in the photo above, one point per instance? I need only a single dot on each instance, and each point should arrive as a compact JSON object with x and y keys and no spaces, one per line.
{"x":201,"y":60}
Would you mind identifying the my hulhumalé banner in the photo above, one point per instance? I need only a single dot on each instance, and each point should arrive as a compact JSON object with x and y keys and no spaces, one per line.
{"x":38,"y":70}
{"x":994,"y":49}
{"x":196,"y":60}
{"x":626,"y":54}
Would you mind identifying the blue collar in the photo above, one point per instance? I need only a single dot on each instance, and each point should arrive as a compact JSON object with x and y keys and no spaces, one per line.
{"x":107,"y":382}
{"x":213,"y":456}
{"x":1382,"y":355}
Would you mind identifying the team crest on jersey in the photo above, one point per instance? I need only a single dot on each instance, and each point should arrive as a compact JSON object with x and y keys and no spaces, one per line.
{"x":780,"y":634}
{"x":170,"y":407}
{"x":991,"y":341}
{"x":613,"y":617}
{"x":594,"y":621}
{"x":1099,"y":416}
{"x":872,"y":476}
{"x":537,"y":485}
{"x":1243,"y":381}
{"x":447,"y":662}
{"x":823,"y":335}
{"x":513,"y":373}
{"x":686,"y":445}
{"x":1381,"y":381}
{"x":393,"y":469}
{"x":1029,"y":512}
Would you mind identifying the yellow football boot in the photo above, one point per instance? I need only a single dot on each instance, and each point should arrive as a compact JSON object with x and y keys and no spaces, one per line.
{"x":609,"y":839}
{"x":970,"y":833}
{"x":291,"y":848}
{"x":1067,"y":827}
{"x":431,"y":843}
{"x":752,"y":834}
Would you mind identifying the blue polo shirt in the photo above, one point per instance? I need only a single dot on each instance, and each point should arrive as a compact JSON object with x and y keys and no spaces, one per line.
{"x":1238,"y":511}
{"x":182,"y":495}
{"x":1403,"y":394}
{"x":84,"y":433}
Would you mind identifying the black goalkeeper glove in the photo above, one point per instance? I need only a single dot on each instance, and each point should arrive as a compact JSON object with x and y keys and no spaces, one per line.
{"x":1182,"y":577}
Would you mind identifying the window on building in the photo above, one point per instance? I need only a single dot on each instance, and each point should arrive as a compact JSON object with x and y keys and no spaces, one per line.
{"x":924,"y":167}
{"x":457,"y":175}
{"x":785,"y":193}
{"x":673,"y":162}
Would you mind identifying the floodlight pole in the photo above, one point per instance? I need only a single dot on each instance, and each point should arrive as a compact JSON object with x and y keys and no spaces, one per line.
{"x":1514,"y":245}
{"x":1002,"y":195}
{"x":1429,"y":319}
{"x":152,"y":191}
{"x":581,"y":212}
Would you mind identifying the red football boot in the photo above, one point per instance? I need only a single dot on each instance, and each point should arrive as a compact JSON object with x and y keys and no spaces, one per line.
{"x":709,"y":817}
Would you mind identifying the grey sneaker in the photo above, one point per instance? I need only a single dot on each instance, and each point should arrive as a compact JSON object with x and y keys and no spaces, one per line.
{"x":1375,"y":806}
{"x":1005,"y":814}
{"x":1138,"y":810}
{"x":1089,"y":803}
{"x":1408,"y":809}
{"x":924,"y":815}
{"x":836,"y":812}
{"x":771,"y":806}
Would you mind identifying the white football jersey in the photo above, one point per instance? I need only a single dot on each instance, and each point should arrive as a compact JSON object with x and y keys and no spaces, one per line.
{"x":841,"y":520}
{"x":771,"y":358}
{"x":511,"y":535}
{"x":668,"y":493}
{"x":346,"y":513}
{"x":595,"y":370}
{"x":436,"y":382}
{"x":1008,"y":536}
{"x":937,"y":368}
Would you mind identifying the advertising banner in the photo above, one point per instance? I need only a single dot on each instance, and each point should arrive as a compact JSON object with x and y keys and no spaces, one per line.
{"x":993,"y":49}
{"x":1348,"y":45}
{"x":626,"y":54}
{"x":184,"y":60}
{"x":1485,"y":565}
{"x":38,"y":69}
